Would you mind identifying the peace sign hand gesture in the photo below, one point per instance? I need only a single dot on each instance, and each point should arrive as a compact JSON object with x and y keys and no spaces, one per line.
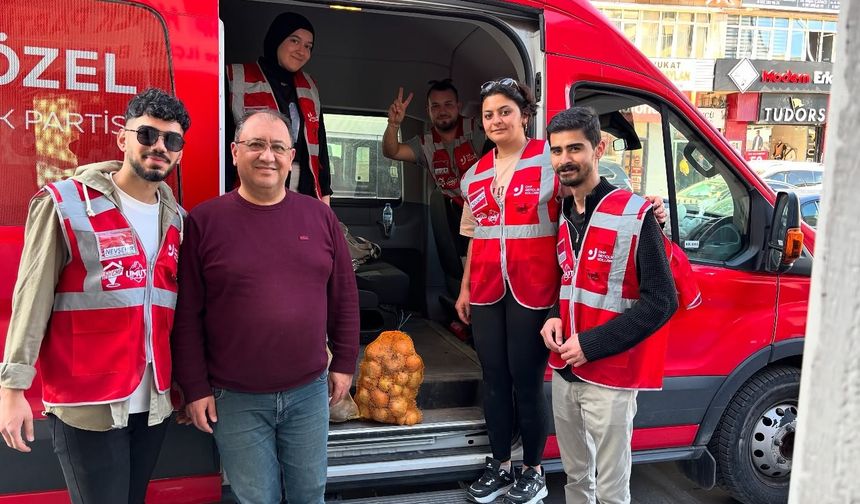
{"x":397,"y":110}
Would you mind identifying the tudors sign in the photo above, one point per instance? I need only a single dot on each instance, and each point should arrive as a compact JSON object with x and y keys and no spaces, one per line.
{"x":746,"y":75}
{"x":793,"y":109}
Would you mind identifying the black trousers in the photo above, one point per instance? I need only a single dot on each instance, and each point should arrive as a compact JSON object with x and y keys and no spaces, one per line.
{"x":109,"y":467}
{"x":513,"y":358}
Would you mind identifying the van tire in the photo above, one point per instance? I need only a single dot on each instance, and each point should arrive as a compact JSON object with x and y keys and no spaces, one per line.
{"x":748,"y":440}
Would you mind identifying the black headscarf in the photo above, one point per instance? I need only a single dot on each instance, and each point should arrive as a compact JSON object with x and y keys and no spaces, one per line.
{"x":282,"y":27}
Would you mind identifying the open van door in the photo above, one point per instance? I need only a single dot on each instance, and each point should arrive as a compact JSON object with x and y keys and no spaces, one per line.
{"x":363,"y":52}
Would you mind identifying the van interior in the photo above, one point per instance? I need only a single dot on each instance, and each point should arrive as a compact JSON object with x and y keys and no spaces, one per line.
{"x":359,"y":60}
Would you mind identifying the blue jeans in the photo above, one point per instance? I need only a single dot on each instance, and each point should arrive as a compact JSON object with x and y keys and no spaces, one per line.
{"x":273,"y":441}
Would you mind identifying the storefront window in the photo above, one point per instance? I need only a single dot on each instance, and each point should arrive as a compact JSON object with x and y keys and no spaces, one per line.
{"x":763,"y":37}
{"x":666,"y":37}
{"x":664,"y":34}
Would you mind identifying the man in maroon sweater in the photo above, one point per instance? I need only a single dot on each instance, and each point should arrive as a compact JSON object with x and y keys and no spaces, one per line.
{"x":265,"y":276}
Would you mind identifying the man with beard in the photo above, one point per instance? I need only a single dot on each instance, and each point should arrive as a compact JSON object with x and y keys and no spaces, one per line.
{"x":449,"y":147}
{"x":94,"y":300}
{"x":604,"y":333}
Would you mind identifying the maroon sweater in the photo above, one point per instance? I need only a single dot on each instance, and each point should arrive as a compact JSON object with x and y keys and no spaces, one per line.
{"x":259,"y":289}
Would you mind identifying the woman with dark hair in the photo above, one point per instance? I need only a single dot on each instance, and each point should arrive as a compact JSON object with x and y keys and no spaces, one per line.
{"x":277,"y":81}
{"x":511,"y":279}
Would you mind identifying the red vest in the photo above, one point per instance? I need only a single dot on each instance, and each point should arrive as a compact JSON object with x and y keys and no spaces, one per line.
{"x":602,"y":284}
{"x":108,"y":301}
{"x":249,"y":90}
{"x":445,"y":171}
{"x":516,"y":242}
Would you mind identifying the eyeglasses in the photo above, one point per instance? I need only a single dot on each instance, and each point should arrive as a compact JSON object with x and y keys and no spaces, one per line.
{"x":505,"y":82}
{"x":148,"y":136}
{"x":260,"y":146}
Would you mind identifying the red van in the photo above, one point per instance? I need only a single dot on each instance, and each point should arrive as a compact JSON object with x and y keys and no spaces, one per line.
{"x":727,"y":412}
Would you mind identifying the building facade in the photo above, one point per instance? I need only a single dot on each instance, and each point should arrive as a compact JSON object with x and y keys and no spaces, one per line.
{"x":760,"y":70}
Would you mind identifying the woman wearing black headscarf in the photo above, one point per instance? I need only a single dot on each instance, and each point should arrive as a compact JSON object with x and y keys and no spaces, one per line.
{"x":277,"y":81}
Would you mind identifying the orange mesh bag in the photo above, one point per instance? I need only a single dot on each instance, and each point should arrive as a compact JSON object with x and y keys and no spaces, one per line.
{"x":388,"y":380}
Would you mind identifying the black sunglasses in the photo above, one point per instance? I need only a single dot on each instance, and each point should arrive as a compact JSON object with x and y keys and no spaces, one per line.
{"x":148,"y":136}
{"x":506,"y":82}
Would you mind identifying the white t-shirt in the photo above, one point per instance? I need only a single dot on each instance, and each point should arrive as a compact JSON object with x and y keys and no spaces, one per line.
{"x":144,"y":219}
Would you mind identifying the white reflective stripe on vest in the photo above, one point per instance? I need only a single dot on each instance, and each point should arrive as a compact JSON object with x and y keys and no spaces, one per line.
{"x":237,"y":89}
{"x":594,"y":300}
{"x":73,"y":207}
{"x":626,"y":226}
{"x":257,"y":87}
{"x":76,"y":301}
{"x":516,"y":232}
{"x":125,"y":298}
{"x":547,"y":191}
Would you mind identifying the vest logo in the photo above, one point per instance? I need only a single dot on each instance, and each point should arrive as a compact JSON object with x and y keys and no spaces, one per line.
{"x":518,"y":190}
{"x":598,"y":255}
{"x":531,"y":190}
{"x":136,"y":272}
{"x":116,"y":244}
{"x":173,"y":251}
{"x":467,"y":159}
{"x":567,"y":273}
{"x":111,"y":272}
{"x":312,"y":118}
{"x":493,"y":217}
{"x":478,"y":200}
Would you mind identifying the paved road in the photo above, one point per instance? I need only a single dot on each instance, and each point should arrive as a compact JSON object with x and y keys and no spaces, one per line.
{"x":650,"y":484}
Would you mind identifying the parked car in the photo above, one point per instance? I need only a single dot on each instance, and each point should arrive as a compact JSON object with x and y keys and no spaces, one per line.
{"x":777,"y":186}
{"x":800,"y":174}
{"x":810,"y":203}
{"x":614,"y":174}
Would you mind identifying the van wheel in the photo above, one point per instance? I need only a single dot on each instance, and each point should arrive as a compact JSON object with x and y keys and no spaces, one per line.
{"x":754,"y":442}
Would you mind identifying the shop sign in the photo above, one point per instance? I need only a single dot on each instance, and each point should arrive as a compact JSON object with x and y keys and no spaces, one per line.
{"x":793,"y":109}
{"x":831,"y":6}
{"x":746,"y":75}
{"x":716,"y":116}
{"x":688,"y":74}
{"x":756,"y":155}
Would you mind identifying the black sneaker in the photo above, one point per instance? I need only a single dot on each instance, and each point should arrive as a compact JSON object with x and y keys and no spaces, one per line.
{"x":529,"y":489}
{"x":493,"y":483}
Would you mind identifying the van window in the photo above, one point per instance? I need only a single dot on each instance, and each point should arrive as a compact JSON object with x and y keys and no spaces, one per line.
{"x":358,"y":168}
{"x":712,"y":204}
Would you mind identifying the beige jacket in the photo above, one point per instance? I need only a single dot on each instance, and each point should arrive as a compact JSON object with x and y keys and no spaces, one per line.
{"x":44,"y":256}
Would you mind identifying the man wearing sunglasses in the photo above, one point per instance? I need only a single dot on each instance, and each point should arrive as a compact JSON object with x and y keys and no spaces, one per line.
{"x":94,"y":301}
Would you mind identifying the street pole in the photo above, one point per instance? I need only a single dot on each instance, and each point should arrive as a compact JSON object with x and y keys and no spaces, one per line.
{"x":825,"y":468}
